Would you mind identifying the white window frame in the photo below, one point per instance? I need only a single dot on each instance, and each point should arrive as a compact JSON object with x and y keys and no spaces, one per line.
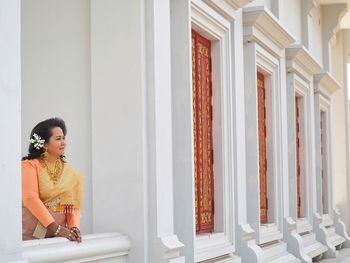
{"x":217,"y":29}
{"x":324,"y":86}
{"x":302,"y":89}
{"x":269,"y":66}
{"x":325,"y":108}
{"x":264,"y":48}
{"x":301,"y":67}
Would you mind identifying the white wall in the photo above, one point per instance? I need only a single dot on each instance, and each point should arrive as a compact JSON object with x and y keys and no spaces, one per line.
{"x":291,"y":17}
{"x":315,"y":37}
{"x":10,"y":136}
{"x":56,"y":78}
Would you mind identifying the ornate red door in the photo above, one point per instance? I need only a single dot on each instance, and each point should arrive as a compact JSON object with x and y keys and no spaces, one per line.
{"x":203,"y":133}
{"x":262,"y":148}
{"x":297,"y":125}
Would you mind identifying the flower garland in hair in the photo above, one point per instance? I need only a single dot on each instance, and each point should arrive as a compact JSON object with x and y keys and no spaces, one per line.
{"x":37,"y":141}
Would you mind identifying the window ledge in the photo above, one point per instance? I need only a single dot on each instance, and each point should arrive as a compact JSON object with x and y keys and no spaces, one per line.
{"x":112,"y":246}
{"x":212,"y":245}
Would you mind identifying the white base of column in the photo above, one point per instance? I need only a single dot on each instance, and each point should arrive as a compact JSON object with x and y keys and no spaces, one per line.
{"x":170,"y":250}
{"x":326,"y":234}
{"x":303,"y":245}
{"x":340,"y":228}
{"x":271,"y":252}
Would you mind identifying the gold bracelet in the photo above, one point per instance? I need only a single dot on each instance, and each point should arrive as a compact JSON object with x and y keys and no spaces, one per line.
{"x":57,"y":230}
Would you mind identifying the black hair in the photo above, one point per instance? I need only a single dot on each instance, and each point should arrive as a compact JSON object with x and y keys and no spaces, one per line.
{"x":44,"y":130}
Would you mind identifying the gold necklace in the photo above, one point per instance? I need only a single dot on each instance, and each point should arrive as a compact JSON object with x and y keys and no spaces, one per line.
{"x":55,"y":174}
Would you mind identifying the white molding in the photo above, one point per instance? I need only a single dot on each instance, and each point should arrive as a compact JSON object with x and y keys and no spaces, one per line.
{"x":227,"y":8}
{"x":300,"y":61}
{"x":325,"y":84}
{"x":108,"y":246}
{"x":171,"y":248}
{"x":331,"y":17}
{"x":217,"y":28}
{"x":238,"y":3}
{"x":340,"y":227}
{"x":259,"y":25}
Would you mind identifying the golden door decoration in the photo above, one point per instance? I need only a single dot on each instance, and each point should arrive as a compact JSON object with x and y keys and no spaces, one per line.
{"x":203,"y":133}
{"x":297,"y":148}
{"x":262,"y":148}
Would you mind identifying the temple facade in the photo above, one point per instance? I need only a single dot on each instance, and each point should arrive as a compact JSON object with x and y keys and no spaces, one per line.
{"x":205,"y":130}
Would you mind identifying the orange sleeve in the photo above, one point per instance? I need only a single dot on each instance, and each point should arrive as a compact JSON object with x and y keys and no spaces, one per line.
{"x":73,"y":220}
{"x":30,"y":194}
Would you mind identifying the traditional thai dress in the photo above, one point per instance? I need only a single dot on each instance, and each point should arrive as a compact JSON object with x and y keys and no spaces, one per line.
{"x":46,"y":199}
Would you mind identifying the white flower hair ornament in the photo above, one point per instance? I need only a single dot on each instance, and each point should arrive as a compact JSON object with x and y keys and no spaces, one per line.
{"x":37,"y":141}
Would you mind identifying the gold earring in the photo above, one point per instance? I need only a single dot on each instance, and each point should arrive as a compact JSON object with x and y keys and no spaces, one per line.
{"x":45,"y":154}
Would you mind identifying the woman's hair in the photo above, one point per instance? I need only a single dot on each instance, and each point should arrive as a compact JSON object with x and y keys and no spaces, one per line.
{"x":44,"y":130}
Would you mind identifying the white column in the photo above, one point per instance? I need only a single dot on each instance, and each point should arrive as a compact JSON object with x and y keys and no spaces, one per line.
{"x":239,"y":120}
{"x":132,"y":126}
{"x":182,"y":125}
{"x":119,"y":176}
{"x":164,"y":244}
{"x":10,"y":131}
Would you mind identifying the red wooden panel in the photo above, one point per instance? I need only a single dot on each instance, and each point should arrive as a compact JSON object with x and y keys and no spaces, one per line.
{"x":203,"y":133}
{"x":297,"y":125}
{"x":262,"y":148}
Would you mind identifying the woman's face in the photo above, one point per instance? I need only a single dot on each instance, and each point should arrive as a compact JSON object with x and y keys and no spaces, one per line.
{"x":56,"y":144}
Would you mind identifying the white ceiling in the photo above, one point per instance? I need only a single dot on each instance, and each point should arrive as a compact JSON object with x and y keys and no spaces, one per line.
{"x":345,"y":22}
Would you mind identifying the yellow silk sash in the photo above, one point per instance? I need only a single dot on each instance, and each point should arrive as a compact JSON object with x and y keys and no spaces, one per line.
{"x":66,"y":195}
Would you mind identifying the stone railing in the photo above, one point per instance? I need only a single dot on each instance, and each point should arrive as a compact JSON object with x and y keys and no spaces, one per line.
{"x":108,"y":247}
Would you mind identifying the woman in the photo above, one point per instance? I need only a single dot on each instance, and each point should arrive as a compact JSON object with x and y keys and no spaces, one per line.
{"x":51,"y":188}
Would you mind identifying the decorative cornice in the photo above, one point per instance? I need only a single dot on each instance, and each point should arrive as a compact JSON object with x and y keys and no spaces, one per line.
{"x":300,"y":56}
{"x":227,"y":8}
{"x":325,"y":84}
{"x":308,"y":5}
{"x":238,"y":3}
{"x":259,"y":23}
{"x":331,"y":17}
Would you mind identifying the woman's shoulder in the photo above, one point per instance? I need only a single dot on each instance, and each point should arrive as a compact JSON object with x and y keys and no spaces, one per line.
{"x":30,"y":166}
{"x":31,"y":163}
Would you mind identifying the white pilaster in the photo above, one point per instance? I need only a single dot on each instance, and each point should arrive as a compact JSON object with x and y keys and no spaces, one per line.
{"x":301,"y":67}
{"x":165,"y":245}
{"x":306,"y":7}
{"x":10,"y":131}
{"x":119,"y":163}
{"x":182,"y":119}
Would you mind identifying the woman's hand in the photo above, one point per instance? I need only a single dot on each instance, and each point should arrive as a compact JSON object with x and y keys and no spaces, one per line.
{"x":76,"y":232}
{"x":70,"y":234}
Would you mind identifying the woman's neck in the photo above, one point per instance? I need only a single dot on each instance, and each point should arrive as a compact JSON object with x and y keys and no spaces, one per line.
{"x":51,"y":159}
